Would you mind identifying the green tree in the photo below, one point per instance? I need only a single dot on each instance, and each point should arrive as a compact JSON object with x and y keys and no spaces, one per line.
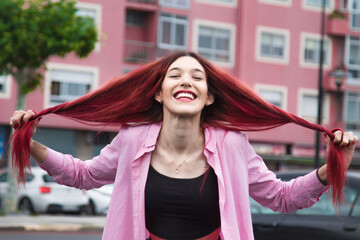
{"x":31,"y":31}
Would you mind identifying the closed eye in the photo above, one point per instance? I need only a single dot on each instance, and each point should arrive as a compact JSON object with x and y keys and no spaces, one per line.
{"x":174,"y":76}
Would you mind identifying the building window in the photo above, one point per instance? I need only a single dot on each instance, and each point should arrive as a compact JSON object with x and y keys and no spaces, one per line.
{"x":86,"y":12}
{"x":352,"y":112}
{"x":285,"y":3}
{"x":222,"y":3}
{"x":316,"y":5}
{"x":93,"y":11}
{"x":272,"y":45}
{"x":69,"y":85}
{"x":68,"y":82}
{"x":344,"y":5}
{"x":90,"y":10}
{"x":135,"y":18}
{"x":173,"y":31}
{"x":5,"y":85}
{"x":215,"y":41}
{"x":185,"y":4}
{"x":308,"y":105}
{"x":276,"y":95}
{"x":355,"y":14}
{"x":352,"y":59}
{"x":310,"y":51}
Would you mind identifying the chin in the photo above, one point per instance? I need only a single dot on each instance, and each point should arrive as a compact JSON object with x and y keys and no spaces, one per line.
{"x":186,"y":112}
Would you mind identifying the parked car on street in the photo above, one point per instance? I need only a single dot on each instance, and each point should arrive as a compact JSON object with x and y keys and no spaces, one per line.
{"x":42,"y":194}
{"x":321,"y":221}
{"x":99,"y":200}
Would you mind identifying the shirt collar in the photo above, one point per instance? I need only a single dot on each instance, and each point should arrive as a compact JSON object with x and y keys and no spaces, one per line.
{"x":210,"y":140}
{"x":153,"y":134}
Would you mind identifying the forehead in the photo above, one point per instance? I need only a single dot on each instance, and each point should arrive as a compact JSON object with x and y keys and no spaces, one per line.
{"x":186,"y":63}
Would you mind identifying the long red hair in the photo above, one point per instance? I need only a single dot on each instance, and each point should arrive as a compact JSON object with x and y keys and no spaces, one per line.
{"x":130,"y":100}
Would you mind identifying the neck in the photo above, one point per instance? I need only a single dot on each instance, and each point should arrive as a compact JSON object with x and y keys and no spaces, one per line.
{"x":180,"y":134}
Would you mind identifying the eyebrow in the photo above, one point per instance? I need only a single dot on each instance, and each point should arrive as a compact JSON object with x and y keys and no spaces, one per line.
{"x":194,"y":69}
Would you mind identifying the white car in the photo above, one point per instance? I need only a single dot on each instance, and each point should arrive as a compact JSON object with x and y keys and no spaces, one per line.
{"x":99,"y":200}
{"x":42,"y":195}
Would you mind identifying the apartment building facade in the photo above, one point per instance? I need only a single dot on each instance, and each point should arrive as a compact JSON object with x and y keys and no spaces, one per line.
{"x":271,"y":45}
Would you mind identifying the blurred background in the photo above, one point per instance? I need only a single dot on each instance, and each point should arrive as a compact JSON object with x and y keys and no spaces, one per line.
{"x":300,"y":55}
{"x":272,"y":45}
{"x":303,"y":56}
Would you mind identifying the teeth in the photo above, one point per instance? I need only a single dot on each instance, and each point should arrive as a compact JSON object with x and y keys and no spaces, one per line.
{"x":185,"y":95}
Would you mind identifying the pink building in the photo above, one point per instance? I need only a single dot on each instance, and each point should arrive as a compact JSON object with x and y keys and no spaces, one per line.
{"x":272,"y":45}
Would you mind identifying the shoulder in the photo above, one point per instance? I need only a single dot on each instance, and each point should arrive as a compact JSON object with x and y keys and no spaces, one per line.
{"x":134,"y":129}
{"x":227,"y":135}
{"x":131,"y":133}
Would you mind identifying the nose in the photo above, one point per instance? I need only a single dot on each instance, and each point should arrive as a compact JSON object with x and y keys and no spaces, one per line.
{"x":186,"y":80}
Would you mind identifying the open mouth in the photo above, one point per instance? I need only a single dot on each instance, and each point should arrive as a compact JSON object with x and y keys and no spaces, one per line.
{"x":185,"y":95}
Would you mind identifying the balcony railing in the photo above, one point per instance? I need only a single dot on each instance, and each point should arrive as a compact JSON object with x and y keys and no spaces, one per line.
{"x":337,"y":27}
{"x":144,"y":1}
{"x":139,"y":52}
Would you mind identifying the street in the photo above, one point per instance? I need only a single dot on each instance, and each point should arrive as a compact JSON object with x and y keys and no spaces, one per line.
{"x":28,"y":235}
{"x":57,"y":227}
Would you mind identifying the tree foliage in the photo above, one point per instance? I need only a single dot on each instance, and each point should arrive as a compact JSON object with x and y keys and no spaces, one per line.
{"x":31,"y":31}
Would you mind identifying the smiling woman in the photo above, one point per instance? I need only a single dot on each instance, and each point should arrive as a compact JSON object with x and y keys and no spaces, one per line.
{"x":184,"y":90}
{"x":181,"y":168}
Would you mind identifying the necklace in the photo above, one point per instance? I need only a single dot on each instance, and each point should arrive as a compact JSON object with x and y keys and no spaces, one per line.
{"x":192,"y":151}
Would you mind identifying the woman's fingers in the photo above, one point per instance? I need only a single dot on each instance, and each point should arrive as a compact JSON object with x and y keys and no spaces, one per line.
{"x":28,"y":115}
{"x":15,"y":120}
{"x":338,"y":137}
{"x":19,"y":117}
{"x":345,"y":139}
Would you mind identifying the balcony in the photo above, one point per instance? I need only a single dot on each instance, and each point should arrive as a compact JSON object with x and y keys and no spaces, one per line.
{"x":138,"y":52}
{"x":337,"y":23}
{"x":144,"y":5}
{"x":143,"y":1}
{"x":337,"y":27}
{"x":340,"y":24}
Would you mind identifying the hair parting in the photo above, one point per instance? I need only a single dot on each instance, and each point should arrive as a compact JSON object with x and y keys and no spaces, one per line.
{"x":129,"y":100}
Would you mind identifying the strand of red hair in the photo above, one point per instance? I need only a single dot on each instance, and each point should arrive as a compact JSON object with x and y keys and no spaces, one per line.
{"x":130,"y":100}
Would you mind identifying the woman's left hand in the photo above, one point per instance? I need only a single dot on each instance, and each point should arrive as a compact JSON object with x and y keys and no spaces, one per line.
{"x":347,"y":142}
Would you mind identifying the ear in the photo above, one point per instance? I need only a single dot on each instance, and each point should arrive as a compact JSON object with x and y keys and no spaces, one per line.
{"x":210,"y":100}
{"x":158,"y":97}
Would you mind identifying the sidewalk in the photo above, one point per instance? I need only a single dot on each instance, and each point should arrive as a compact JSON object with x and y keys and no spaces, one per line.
{"x":52,"y":223}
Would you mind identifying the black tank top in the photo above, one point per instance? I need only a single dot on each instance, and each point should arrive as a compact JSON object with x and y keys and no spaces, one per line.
{"x":175,"y":209}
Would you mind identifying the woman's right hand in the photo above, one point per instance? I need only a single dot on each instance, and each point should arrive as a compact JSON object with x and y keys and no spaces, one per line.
{"x":20,"y":117}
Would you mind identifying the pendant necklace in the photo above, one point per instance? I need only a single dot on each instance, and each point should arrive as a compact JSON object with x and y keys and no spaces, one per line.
{"x":192,"y":151}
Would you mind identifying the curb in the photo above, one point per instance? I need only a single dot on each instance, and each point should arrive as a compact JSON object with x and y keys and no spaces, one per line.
{"x":12,"y":228}
{"x":52,"y":228}
{"x":52,"y":224}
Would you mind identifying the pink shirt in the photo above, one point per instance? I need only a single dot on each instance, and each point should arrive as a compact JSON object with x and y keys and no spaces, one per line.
{"x":240,"y":171}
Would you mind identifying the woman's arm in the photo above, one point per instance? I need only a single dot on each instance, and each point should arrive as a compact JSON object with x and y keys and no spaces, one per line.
{"x":66,"y":169}
{"x":283,"y":196}
{"x":94,"y":173}
{"x":38,"y":151}
{"x":298,"y":193}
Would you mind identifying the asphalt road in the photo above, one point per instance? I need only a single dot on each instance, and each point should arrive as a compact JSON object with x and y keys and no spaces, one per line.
{"x":51,"y":223}
{"x":26,"y":235}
